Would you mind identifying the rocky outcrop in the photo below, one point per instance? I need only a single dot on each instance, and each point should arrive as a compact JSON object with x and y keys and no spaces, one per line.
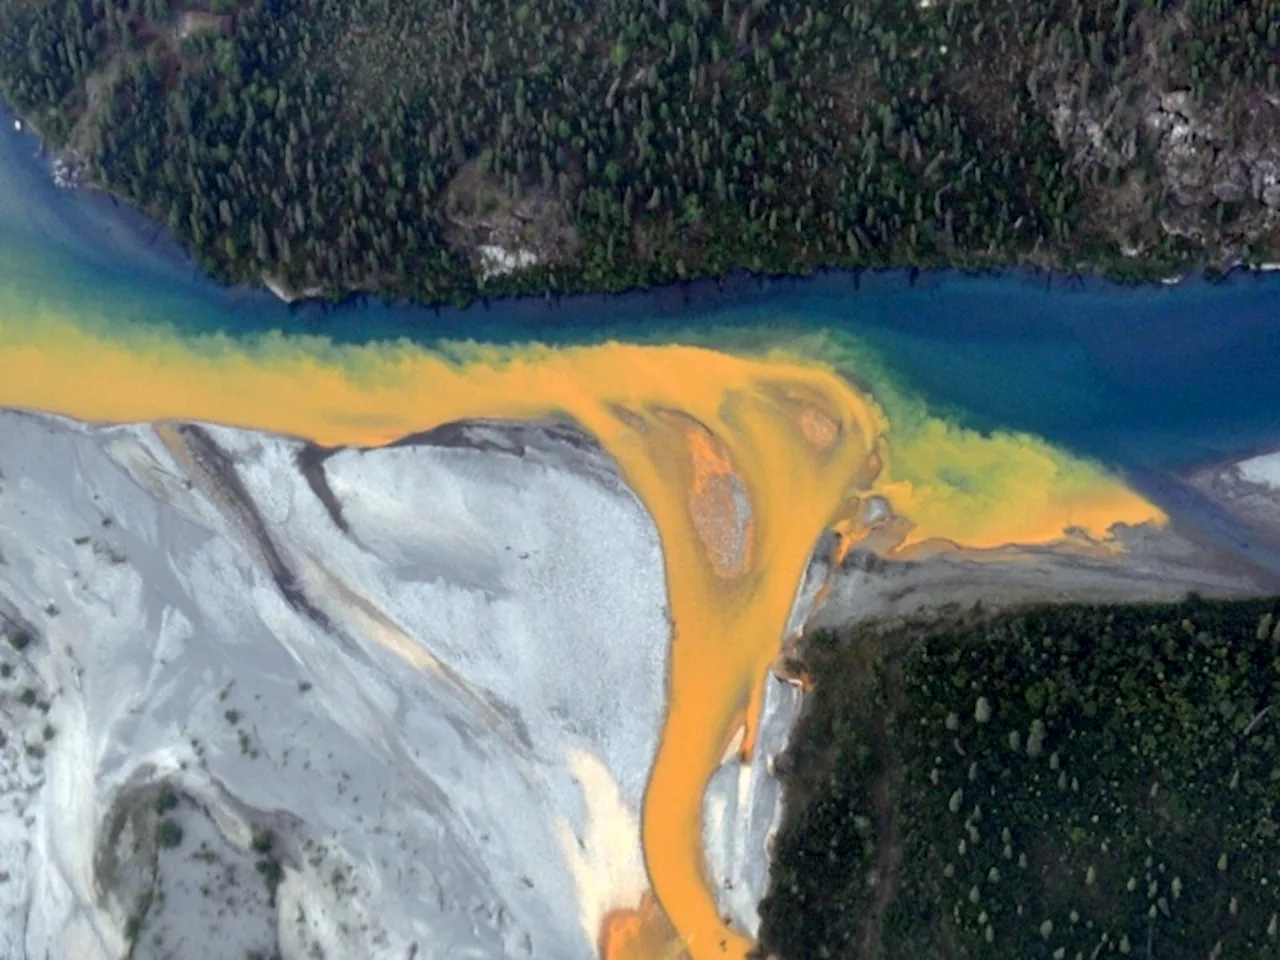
{"x":1210,"y":157}
{"x":1158,"y":159}
{"x":504,"y":228}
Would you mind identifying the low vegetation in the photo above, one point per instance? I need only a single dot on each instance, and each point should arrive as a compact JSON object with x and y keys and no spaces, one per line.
{"x":166,"y":800}
{"x":268,"y":864}
{"x":168,"y":834}
{"x":1068,"y":782}
{"x":445,"y":150}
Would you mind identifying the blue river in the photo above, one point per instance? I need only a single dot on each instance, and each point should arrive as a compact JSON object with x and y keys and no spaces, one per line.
{"x":1155,"y":378}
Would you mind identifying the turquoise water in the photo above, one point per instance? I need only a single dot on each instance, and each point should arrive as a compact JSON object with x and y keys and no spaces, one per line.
{"x":1157,"y":377}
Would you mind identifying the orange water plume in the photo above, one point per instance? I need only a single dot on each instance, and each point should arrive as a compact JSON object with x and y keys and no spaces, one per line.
{"x":742,"y":463}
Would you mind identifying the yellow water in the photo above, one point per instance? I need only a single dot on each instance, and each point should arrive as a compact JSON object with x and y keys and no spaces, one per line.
{"x":742,"y":461}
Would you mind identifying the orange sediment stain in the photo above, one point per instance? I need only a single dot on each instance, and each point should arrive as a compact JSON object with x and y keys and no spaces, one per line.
{"x":751,"y":723}
{"x":742,"y":462}
{"x":818,"y":429}
{"x":718,"y":505}
{"x":642,"y":933}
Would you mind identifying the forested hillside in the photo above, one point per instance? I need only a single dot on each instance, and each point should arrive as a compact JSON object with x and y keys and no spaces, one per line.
{"x":441,"y":148}
{"x":1068,"y":782}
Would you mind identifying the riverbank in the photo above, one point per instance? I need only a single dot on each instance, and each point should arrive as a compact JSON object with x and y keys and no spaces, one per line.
{"x":118,"y":223}
{"x":992,"y":782}
{"x":852,"y":788}
{"x":699,"y":146}
{"x":104,"y":229}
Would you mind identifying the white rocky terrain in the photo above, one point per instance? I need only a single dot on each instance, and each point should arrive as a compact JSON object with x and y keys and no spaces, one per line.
{"x":262,"y":699}
{"x":1248,"y":493}
{"x":1263,"y":471}
{"x":397,"y":703}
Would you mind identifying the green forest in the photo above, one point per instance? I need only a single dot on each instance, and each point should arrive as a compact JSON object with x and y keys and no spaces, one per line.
{"x":395,"y":145}
{"x":1067,"y":782}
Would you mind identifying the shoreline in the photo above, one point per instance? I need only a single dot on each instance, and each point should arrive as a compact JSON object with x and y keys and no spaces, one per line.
{"x":732,"y":287}
{"x":737,"y":285}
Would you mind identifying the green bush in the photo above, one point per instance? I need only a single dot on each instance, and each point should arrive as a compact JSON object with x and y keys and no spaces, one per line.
{"x":168,"y":834}
{"x":166,"y":800}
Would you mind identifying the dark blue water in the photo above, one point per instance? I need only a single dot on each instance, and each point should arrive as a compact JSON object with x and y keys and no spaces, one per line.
{"x":1152,"y":377}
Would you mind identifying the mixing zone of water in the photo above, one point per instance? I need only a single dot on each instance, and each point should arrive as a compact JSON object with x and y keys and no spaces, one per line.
{"x":742,"y":461}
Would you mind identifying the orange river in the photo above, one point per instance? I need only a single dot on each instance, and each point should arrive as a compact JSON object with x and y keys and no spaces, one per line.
{"x":742,"y":461}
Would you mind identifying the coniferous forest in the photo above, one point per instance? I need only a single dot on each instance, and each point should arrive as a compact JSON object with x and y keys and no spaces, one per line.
{"x":444,"y":149}
{"x":1068,"y":782}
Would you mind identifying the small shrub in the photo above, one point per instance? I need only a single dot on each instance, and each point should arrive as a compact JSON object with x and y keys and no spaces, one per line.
{"x":166,"y":800}
{"x":168,"y":834}
{"x":272,"y":874}
{"x":20,"y":640}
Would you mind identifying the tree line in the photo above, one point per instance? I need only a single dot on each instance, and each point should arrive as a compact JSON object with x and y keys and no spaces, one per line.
{"x":331,"y":143}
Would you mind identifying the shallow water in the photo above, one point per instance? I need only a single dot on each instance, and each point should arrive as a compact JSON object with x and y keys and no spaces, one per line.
{"x":743,"y":451}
